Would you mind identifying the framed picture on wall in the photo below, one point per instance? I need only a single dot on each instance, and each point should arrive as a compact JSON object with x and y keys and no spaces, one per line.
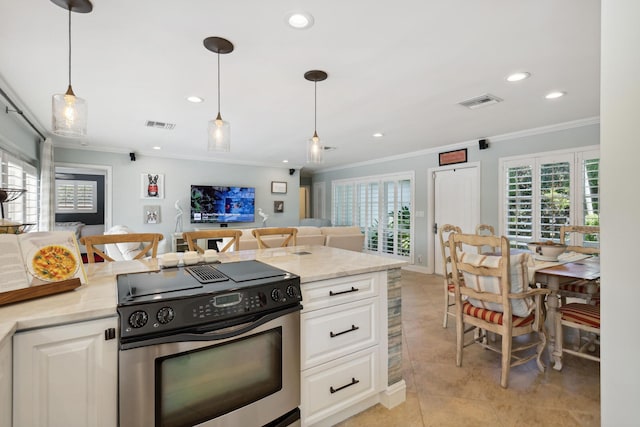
{"x":278,"y":206}
{"x":151,"y":214}
{"x":278,"y":187}
{"x":152,"y":186}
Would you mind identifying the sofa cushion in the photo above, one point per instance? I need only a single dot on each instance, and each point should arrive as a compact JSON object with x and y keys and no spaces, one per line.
{"x":340,"y":230}
{"x":122,"y":251}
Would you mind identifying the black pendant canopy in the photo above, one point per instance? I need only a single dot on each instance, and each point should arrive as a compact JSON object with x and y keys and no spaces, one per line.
{"x":218,"y":45}
{"x":315,"y":75}
{"x":79,"y":6}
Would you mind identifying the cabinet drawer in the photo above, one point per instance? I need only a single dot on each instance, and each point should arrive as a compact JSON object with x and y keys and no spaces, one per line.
{"x":327,"y":293}
{"x":333,"y":332}
{"x":334,"y":386}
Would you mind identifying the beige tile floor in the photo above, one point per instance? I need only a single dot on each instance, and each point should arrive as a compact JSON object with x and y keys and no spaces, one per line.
{"x":441,"y":394}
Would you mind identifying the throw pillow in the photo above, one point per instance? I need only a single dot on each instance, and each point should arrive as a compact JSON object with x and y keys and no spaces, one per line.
{"x":519,"y":281}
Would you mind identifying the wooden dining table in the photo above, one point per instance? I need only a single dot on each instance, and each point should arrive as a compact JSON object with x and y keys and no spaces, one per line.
{"x":551,"y":277}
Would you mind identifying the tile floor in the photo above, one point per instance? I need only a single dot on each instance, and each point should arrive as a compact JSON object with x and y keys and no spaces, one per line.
{"x":441,"y":394}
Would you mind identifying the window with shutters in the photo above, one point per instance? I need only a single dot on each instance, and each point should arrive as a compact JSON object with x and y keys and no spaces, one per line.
{"x":75,"y":196}
{"x":381,"y":206}
{"x":18,"y":174}
{"x":545,"y":191}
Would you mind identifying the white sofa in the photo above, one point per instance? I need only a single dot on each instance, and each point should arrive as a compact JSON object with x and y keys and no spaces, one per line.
{"x":350,"y":238}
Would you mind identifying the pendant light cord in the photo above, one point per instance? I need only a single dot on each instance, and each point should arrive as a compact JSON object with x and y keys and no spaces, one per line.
{"x":218,"y":83}
{"x":315,"y":107}
{"x":69,"y":45}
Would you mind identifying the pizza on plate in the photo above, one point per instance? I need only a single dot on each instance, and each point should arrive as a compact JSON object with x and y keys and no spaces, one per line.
{"x":53,"y":263}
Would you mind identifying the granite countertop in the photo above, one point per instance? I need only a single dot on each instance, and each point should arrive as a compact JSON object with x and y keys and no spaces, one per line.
{"x":98,"y":298}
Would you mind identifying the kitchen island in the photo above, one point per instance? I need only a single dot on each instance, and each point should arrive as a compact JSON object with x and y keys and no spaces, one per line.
{"x":318,"y":266}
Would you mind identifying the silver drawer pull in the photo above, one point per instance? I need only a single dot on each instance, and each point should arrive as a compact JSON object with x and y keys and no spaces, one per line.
{"x":331,"y":293}
{"x":353,"y":382}
{"x":353,"y":328}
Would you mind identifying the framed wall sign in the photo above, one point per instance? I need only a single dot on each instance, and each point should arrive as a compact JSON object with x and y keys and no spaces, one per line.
{"x":453,"y":157}
{"x":278,"y":187}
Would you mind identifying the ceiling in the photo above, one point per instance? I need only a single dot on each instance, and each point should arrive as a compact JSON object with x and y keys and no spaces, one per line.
{"x":399,"y":68}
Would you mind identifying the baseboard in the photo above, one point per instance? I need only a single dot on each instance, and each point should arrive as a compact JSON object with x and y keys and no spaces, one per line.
{"x":394,"y":395}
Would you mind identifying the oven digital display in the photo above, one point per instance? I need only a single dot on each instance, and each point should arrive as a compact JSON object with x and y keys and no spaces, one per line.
{"x":227,"y":300}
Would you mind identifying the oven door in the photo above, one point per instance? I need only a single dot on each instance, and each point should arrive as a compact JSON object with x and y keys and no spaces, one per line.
{"x":246,"y":375}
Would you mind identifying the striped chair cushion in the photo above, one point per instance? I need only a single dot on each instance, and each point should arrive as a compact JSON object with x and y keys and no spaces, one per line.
{"x":519,"y":281}
{"x":579,"y":287}
{"x":582,"y":314}
{"x":494,"y":316}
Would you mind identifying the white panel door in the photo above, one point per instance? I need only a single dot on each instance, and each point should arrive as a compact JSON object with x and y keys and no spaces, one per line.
{"x":457,"y":202}
{"x":66,"y":376}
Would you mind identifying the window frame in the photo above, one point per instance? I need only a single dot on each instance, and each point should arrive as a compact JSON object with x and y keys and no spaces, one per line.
{"x":23,"y":209}
{"x":351,"y":206}
{"x":575,"y":158}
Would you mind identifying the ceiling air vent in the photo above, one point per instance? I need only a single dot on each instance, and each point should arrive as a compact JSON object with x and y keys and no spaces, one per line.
{"x":480,"y":101}
{"x":160,"y":125}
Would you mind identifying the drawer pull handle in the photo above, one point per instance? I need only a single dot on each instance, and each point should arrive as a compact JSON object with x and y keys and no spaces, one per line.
{"x":353,"y":382}
{"x":353,"y":328}
{"x":331,"y":293}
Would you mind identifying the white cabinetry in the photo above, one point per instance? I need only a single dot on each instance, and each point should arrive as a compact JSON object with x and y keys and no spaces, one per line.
{"x":5,"y":383}
{"x":66,"y":375}
{"x":343,"y":346}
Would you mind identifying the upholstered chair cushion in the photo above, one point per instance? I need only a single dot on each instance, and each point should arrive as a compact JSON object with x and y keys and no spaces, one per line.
{"x":495,"y":316}
{"x":582,"y":314}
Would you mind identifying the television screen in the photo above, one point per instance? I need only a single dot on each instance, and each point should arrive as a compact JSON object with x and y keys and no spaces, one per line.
{"x":211,"y":204}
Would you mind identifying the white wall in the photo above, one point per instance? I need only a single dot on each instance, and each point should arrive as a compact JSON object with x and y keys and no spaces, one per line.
{"x":128,"y":205}
{"x":579,"y":134}
{"x":620,"y":221}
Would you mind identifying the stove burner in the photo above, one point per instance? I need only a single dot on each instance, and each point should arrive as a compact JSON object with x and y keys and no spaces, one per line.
{"x":206,"y":274}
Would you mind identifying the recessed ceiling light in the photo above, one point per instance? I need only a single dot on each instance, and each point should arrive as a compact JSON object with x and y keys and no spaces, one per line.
{"x":516,"y":77}
{"x":285,"y":161}
{"x":157,"y":148}
{"x":194,"y":99}
{"x":299,"y":20}
{"x":554,"y":95}
{"x":378,"y":135}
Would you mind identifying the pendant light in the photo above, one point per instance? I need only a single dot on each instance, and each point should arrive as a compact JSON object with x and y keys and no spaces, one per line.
{"x":315,"y":149}
{"x":219,"y":131}
{"x":69,"y":113}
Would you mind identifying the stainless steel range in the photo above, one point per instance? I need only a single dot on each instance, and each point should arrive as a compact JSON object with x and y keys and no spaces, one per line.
{"x":210,"y":345}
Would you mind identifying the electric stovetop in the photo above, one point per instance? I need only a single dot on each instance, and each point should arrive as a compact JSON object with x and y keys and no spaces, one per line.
{"x":201,"y":279}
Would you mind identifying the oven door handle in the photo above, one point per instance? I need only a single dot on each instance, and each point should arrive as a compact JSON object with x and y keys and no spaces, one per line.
{"x":211,"y":333}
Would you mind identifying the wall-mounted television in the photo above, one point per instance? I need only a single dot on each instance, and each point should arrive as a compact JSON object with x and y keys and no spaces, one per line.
{"x":211,"y":204}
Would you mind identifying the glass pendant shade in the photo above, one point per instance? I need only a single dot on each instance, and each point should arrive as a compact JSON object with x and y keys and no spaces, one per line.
{"x":315,"y":149}
{"x":69,"y":116}
{"x":219,"y":135}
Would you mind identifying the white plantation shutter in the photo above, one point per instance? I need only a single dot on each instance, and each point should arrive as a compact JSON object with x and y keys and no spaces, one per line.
{"x":76,"y":196}
{"x":18,"y":174}
{"x":519,"y":202}
{"x":381,"y":206}
{"x":543,"y":192}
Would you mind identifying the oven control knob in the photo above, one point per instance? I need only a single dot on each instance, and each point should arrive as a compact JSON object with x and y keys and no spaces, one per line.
{"x":293,"y":292}
{"x":276,"y":295}
{"x":165,"y":315}
{"x":138,"y":319}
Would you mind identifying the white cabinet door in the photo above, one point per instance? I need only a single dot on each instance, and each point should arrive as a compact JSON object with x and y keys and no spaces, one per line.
{"x":5,"y":383}
{"x":66,"y":376}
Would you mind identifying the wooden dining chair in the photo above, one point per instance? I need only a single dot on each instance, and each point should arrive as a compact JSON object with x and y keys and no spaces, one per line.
{"x":498,"y":300}
{"x":287,"y":234}
{"x":583,"y":239}
{"x":449,"y":289}
{"x":583,"y":318}
{"x":485,"y":230}
{"x":192,"y":237}
{"x":147,"y":245}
